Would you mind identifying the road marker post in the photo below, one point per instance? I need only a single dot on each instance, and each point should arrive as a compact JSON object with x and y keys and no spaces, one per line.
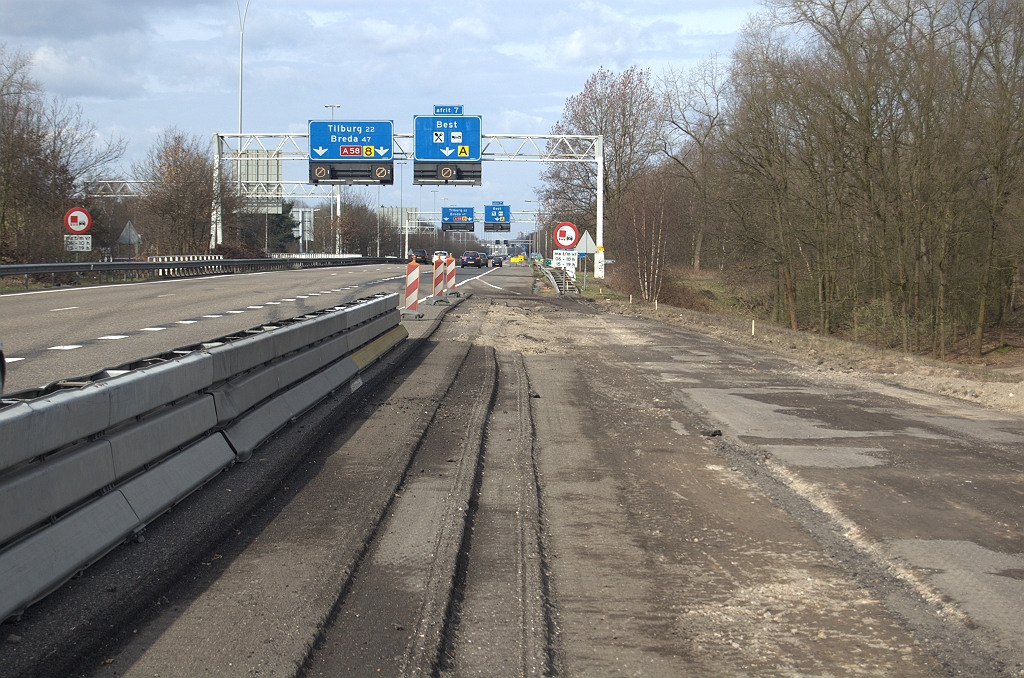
{"x":449,"y":278}
{"x":412,"y":289}
{"x":437,"y":296}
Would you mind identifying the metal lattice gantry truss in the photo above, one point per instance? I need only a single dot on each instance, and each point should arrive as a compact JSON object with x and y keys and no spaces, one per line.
{"x":260,"y":181}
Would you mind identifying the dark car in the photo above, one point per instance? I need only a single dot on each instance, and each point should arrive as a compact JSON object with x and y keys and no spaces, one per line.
{"x":420,"y":256}
{"x":497,"y":260}
{"x":471,"y":258}
{"x":3,"y":367}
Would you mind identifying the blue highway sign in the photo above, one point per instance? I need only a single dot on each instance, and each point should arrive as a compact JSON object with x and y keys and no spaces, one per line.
{"x":456,"y":215}
{"x":497,"y":214}
{"x":343,"y":140}
{"x":455,"y":138}
{"x":447,"y":110}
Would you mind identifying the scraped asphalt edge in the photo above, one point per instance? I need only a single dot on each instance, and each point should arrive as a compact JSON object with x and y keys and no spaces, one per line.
{"x":963,"y":651}
{"x":77,"y":627}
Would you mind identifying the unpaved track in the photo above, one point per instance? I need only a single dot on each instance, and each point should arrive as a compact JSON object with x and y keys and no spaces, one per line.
{"x":536,"y":492}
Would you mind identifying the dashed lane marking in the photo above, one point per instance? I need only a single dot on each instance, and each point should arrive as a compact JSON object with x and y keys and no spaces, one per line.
{"x":254,"y":307}
{"x":12,"y":360}
{"x":213,"y":316}
{"x":114,"y":336}
{"x":152,"y":329}
{"x":187,"y":322}
{"x":236,"y":312}
{"x":68,"y":347}
{"x":66,"y":308}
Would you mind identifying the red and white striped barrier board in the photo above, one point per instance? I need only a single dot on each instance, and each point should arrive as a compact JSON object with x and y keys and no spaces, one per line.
{"x":412,"y":285}
{"x":438,"y":277}
{"x":449,"y":274}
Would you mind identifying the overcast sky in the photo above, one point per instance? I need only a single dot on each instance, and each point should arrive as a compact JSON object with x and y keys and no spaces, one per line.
{"x":139,"y":66}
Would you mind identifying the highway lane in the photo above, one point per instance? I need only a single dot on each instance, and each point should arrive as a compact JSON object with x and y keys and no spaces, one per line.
{"x":73,"y":331}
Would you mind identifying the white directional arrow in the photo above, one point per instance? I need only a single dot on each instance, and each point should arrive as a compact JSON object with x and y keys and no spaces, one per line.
{"x":320,"y":151}
{"x":447,"y":151}
{"x":382,"y":151}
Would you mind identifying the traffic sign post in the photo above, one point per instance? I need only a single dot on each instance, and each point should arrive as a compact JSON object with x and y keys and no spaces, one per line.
{"x":77,"y":221}
{"x":497,"y":218}
{"x":457,"y":219}
{"x":566,"y":235}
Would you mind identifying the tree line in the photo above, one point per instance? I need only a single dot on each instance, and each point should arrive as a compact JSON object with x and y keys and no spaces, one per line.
{"x":859,"y":164}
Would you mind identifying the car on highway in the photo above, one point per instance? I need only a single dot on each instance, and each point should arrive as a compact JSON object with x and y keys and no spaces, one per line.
{"x":443,"y":254}
{"x":419,"y":256}
{"x":497,"y":260}
{"x":471,"y":258}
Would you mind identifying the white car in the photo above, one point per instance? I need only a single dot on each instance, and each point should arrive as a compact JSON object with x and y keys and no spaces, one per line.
{"x":442,"y":254}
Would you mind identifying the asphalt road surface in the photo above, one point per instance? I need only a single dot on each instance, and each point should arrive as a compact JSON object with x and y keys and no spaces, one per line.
{"x":69,"y":331}
{"x":537,"y":486}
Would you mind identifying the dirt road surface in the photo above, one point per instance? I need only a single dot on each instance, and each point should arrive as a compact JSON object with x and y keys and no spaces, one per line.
{"x":535,"y":486}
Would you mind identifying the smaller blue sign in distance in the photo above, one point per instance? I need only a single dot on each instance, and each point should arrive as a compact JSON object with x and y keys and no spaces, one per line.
{"x":497,"y":214}
{"x":447,"y":110}
{"x":455,"y":138}
{"x":344,"y":140}
{"x":456,"y":215}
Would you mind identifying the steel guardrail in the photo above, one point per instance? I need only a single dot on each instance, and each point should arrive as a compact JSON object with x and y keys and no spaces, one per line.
{"x":228,"y":265}
{"x":86,"y":463}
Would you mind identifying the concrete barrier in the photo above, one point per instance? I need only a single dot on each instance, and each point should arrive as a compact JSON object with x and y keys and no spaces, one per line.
{"x":83,"y":469}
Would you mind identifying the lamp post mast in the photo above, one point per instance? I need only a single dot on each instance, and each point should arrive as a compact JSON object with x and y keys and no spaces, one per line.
{"x":241,"y":52}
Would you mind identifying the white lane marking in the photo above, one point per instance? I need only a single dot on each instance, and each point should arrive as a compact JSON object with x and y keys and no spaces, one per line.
{"x":69,"y":347}
{"x":327,"y":292}
{"x":172,"y":294}
{"x":236,"y":312}
{"x":254,"y":307}
{"x":12,"y":360}
{"x":335,"y":290}
{"x":299,"y":297}
{"x":213,"y":316}
{"x":477,"y":277}
{"x":272,"y":303}
{"x":114,"y":336}
{"x":187,"y":322}
{"x":287,"y":300}
{"x":67,"y":308}
{"x":312,"y":294}
{"x":152,"y":329}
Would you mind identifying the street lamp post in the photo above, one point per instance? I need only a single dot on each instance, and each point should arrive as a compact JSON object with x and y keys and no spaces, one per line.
{"x":242,"y":14}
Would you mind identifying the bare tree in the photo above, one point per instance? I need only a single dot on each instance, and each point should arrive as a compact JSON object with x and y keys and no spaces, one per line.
{"x":46,"y":150}
{"x":179,"y":192}
{"x":627,"y":110}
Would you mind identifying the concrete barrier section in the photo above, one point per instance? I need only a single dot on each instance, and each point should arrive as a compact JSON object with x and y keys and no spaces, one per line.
{"x":36,"y":566}
{"x":146,"y":441}
{"x":30,"y":429}
{"x":263,"y":381}
{"x":145,"y":389}
{"x":166,"y":484}
{"x":247,"y":432}
{"x":35,"y":493}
